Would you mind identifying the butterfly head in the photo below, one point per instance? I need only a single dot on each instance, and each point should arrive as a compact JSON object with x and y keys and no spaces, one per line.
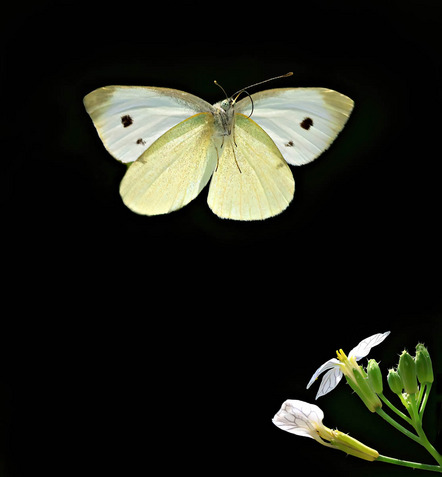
{"x":227,"y":103}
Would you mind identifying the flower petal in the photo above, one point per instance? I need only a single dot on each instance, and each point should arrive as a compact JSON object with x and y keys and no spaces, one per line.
{"x":329,"y":381}
{"x":364,"y":347}
{"x":300,"y":418}
{"x":331,"y":363}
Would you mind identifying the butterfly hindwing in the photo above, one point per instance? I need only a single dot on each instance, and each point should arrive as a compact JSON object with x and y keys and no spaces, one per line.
{"x":302,"y":122}
{"x":252,"y":180}
{"x":130,"y":118}
{"x":173,"y":170}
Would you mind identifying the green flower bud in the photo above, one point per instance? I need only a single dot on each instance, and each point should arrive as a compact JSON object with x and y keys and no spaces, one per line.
{"x":394,"y":381}
{"x":424,"y":368}
{"x":407,"y":372}
{"x":374,"y":376}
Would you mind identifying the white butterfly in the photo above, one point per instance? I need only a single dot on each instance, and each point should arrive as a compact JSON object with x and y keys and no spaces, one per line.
{"x":177,"y":142}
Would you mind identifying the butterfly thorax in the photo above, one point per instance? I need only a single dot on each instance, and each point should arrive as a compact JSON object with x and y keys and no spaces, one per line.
{"x":224,"y":112}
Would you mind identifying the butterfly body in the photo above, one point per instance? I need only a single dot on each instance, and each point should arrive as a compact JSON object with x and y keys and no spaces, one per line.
{"x":223,"y":112}
{"x":177,"y":143}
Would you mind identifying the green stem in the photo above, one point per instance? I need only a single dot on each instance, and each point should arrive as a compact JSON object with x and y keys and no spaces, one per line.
{"x":425,"y":399}
{"x":420,"y":394}
{"x":413,"y":410}
{"x":406,"y":463}
{"x":417,"y":424}
{"x":427,"y":444}
{"x":396,"y":425}
{"x":395,"y":409}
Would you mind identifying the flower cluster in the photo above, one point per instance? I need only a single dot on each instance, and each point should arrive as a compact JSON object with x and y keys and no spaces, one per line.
{"x":411,"y":370}
{"x":411,"y":381}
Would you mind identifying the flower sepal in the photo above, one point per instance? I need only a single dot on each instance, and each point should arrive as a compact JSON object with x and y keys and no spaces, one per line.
{"x":361,"y":387}
{"x":353,"y":447}
{"x":367,"y":394}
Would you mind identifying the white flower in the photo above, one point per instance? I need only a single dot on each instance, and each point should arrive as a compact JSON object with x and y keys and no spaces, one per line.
{"x":304,"y":419}
{"x":343,"y":365}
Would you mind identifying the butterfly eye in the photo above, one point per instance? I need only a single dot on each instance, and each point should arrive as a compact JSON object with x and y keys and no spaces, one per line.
{"x":225,"y":104}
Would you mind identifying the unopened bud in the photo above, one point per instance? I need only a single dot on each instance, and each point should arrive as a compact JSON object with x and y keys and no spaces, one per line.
{"x":407,"y":372}
{"x":394,"y":381}
{"x":424,"y":367}
{"x":374,"y":376}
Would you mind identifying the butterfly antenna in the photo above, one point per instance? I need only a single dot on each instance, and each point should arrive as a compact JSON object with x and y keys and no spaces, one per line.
{"x":224,"y":91}
{"x":290,"y":73}
{"x":251,"y":99}
{"x":236,"y":161}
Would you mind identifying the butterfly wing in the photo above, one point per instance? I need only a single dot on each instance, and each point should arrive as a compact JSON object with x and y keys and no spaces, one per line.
{"x":173,"y":170}
{"x":302,"y":122}
{"x":130,"y":118}
{"x":252,"y":180}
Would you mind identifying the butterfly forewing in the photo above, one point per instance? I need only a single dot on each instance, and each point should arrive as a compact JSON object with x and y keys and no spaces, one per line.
{"x":130,"y":118}
{"x":252,"y":180}
{"x":173,"y":170}
{"x":302,"y":122}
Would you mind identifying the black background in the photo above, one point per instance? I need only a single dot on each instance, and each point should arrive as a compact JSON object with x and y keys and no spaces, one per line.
{"x":129,"y":342}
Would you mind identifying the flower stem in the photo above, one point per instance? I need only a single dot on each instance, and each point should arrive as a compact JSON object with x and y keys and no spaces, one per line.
{"x":396,"y":425}
{"x":395,"y":409}
{"x":425,"y":399}
{"x":420,"y":394}
{"x":406,"y":463}
{"x":427,"y":444}
{"x":417,"y":424}
{"x":421,"y":438}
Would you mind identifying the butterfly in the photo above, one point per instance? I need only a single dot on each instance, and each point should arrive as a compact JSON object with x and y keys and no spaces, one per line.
{"x":176,"y":142}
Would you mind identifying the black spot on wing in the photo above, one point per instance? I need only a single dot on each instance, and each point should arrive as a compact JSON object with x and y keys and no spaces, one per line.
{"x":306,"y":123}
{"x":289,"y":144}
{"x":140,"y":141}
{"x":126,"y":120}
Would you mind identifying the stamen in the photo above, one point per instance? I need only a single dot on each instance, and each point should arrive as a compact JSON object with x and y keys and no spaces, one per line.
{"x":341,"y":355}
